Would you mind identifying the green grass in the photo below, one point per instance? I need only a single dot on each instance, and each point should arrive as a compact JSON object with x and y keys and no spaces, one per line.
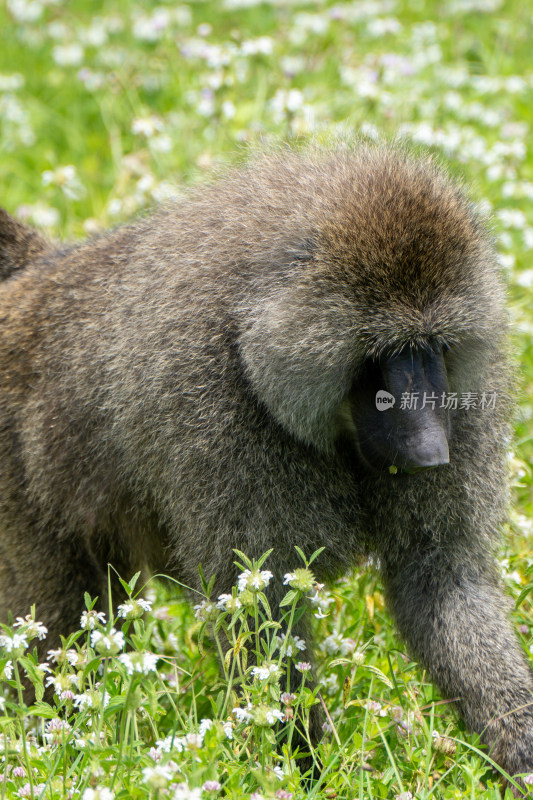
{"x":142,"y":98}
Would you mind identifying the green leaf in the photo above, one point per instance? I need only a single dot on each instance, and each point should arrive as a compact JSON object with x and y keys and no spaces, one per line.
{"x":289,"y":598}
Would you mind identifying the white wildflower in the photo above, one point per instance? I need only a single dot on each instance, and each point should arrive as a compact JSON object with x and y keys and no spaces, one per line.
{"x":7,"y":672}
{"x":254,"y":580}
{"x":524,"y":279}
{"x":205,"y":610}
{"x":41,"y":215}
{"x":512,"y":218}
{"x":32,"y":629}
{"x":98,"y":793}
{"x":157,"y":777}
{"x":66,"y":179}
{"x":527,"y":234}
{"x":62,"y":683}
{"x":92,"y":698}
{"x":204,"y":726}
{"x":228,"y":729}
{"x":331,"y":684}
{"x":267,"y":672}
{"x":16,"y":643}
{"x":290,"y":645}
{"x":68,"y":55}
{"x":107,"y":644}
{"x":147,"y":126}
{"x":243,"y":714}
{"x":141,"y":663}
{"x":134,"y":609}
{"x":56,"y":731}
{"x":227,"y":602}
{"x":265,"y":716}
{"x":184,"y":792}
{"x":211,"y":786}
{"x":151,"y":28}
{"x":335,"y":644}
{"x":26,"y":10}
{"x":263,"y":45}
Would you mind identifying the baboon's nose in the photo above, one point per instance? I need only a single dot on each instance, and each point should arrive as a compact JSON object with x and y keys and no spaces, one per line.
{"x":429,"y":449}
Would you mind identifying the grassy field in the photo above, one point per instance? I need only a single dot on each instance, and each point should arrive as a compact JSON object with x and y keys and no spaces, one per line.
{"x":107,"y":107}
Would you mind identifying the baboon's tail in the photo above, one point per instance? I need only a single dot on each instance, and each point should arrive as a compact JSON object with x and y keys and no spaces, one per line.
{"x":19,"y":245}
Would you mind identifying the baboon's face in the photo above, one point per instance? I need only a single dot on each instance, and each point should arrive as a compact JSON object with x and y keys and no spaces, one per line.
{"x":398,"y":408}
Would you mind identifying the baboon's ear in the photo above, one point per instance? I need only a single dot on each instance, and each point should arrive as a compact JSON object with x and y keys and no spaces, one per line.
{"x":19,"y":245}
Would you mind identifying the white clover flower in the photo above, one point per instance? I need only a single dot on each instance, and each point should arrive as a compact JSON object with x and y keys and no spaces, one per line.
{"x":183,"y":792}
{"x":56,"y":731}
{"x":303,"y":666}
{"x":134,"y":609}
{"x":33,"y":629}
{"x":254,"y":580}
{"x":376,"y":708}
{"x":193,"y":741}
{"x":211,"y":786}
{"x":140,"y":663}
{"x":107,"y":644}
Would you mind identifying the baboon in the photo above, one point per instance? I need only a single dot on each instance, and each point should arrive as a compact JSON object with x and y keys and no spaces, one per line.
{"x":207,"y":378}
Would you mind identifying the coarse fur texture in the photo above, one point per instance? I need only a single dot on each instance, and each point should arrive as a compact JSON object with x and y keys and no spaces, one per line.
{"x":184,"y":385}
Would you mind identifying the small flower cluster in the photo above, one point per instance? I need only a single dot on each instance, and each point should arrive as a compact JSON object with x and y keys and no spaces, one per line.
{"x":254,"y":580}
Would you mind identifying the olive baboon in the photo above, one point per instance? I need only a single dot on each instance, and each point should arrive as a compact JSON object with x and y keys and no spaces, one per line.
{"x":207,"y":378}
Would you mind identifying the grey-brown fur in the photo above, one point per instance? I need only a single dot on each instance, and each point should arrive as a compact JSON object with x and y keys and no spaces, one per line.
{"x":19,"y":245}
{"x":179,"y":387}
